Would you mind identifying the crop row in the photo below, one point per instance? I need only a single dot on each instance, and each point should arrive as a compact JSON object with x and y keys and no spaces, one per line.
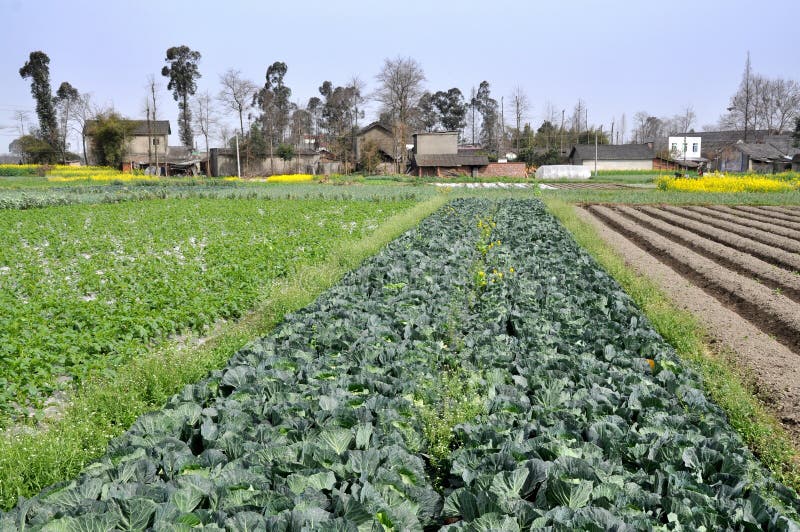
{"x":33,"y":197}
{"x":481,"y":373}
{"x":86,"y":287}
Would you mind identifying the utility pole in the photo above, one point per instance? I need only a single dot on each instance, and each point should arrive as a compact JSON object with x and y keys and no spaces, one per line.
{"x":238,"y":164}
{"x":595,"y":154}
{"x":502,"y":128}
{"x":562,"y":132}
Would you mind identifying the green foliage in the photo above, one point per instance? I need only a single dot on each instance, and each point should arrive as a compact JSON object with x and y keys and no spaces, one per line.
{"x":183,"y":75}
{"x":285,"y":151}
{"x":273,"y":101}
{"x":33,"y":150}
{"x":121,"y":277}
{"x":37,"y":68}
{"x":108,"y":138}
{"x":537,"y":156}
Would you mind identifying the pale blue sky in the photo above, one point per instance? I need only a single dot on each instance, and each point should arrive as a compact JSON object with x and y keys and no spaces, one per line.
{"x":618,"y":56}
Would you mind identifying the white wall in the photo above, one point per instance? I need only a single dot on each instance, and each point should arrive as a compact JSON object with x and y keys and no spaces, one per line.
{"x":619,"y":165}
{"x":694,"y":147}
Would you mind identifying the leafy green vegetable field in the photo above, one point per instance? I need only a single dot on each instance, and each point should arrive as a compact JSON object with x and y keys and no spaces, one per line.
{"x":84,"y":288}
{"x":31,"y":197}
{"x":480,"y":373}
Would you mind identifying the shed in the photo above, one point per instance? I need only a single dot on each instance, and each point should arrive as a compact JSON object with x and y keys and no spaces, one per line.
{"x":613,"y":156}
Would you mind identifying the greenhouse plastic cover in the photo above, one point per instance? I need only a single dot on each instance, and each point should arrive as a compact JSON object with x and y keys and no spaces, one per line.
{"x":563,"y":171}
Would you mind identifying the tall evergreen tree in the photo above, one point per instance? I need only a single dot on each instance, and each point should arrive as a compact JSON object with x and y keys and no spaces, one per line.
{"x":183,"y":74}
{"x":38,"y":70}
{"x":488,"y":108}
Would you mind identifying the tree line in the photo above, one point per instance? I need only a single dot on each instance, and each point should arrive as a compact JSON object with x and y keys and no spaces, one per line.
{"x":270,"y":124}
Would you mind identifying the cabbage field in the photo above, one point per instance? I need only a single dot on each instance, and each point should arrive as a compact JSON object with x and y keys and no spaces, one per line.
{"x":480,"y":373}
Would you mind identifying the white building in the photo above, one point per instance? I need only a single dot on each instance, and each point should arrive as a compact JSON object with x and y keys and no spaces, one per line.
{"x":680,"y":145}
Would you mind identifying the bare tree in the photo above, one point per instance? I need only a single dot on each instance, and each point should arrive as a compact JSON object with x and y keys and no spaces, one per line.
{"x":151,"y":112}
{"x":82,"y":111}
{"x":400,"y":87}
{"x":520,"y":105}
{"x":739,"y":110}
{"x":205,"y":116}
{"x":646,"y":127}
{"x":237,"y":94}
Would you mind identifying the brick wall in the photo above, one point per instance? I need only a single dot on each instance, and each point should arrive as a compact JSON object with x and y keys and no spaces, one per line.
{"x":503,"y":170}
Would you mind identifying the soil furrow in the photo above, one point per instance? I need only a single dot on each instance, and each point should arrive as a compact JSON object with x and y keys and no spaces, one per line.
{"x":783,"y":259}
{"x":771,"y":312}
{"x":736,"y":218}
{"x":770,"y":275}
{"x":773,"y":366}
{"x":764,"y":237}
{"x":787,"y":213}
{"x":754,"y":214}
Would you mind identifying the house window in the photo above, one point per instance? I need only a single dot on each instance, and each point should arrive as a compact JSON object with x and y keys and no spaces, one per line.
{"x":694,"y":147}
{"x":674,"y":146}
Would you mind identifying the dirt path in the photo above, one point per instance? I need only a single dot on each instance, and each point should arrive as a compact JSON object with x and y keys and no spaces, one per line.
{"x":738,"y":312}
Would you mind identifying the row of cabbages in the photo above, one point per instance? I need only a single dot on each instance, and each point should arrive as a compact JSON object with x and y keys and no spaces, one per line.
{"x":585,"y":418}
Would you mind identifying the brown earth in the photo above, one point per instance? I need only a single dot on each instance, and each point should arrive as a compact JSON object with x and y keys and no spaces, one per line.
{"x":790,"y":213}
{"x":765,"y":252}
{"x":759,"y":235}
{"x":754,"y":213}
{"x":748,"y":304}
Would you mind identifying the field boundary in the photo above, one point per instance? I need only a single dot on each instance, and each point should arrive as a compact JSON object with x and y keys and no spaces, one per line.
{"x":725,"y":381}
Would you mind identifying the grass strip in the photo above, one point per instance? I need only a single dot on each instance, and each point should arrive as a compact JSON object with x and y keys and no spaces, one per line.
{"x":723,"y":381}
{"x":32,"y":458}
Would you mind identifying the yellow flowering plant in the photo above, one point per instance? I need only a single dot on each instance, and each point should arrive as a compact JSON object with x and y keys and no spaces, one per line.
{"x":731,"y":183}
{"x":290,"y":178}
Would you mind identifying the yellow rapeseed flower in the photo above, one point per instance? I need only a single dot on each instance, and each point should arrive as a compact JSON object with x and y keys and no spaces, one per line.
{"x":290,"y":178}
{"x":731,"y":183}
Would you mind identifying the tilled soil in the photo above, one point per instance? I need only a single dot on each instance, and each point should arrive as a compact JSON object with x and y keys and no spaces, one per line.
{"x":744,"y":289}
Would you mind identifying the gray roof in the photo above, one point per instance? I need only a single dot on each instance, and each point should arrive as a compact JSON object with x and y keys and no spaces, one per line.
{"x":373,"y":126}
{"x":760,"y":152}
{"x":139,"y":127}
{"x":612,"y":152}
{"x":450,"y":160}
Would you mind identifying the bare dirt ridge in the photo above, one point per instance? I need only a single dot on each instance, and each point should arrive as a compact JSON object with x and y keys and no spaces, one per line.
{"x":744,"y":290}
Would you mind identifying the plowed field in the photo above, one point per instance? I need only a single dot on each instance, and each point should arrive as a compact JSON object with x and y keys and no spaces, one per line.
{"x":737,"y":268}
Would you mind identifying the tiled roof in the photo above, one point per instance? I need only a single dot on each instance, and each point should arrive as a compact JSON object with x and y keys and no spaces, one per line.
{"x":139,"y":127}
{"x":612,"y":152}
{"x":450,"y":160}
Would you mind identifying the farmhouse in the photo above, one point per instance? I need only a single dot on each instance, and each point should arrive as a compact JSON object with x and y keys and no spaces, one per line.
{"x":144,"y":141}
{"x":436,"y":154}
{"x":726,"y":151}
{"x":378,"y":139}
{"x":614,"y":156}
